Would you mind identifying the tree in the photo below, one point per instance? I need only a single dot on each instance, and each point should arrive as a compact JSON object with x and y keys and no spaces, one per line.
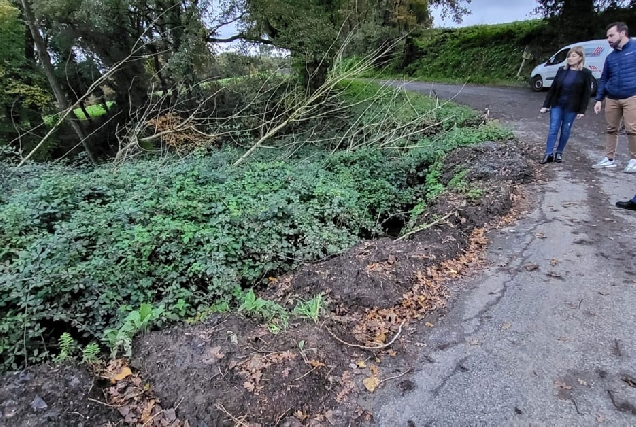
{"x":24,"y":97}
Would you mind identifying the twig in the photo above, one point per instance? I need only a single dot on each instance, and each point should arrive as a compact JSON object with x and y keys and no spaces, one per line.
{"x":238,"y":421}
{"x":424,"y":227}
{"x":395,"y":376}
{"x":364,"y":347}
{"x":103,"y":403}
{"x":307,"y":373}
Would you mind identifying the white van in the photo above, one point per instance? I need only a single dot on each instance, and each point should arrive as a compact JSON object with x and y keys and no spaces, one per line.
{"x":595,"y":53}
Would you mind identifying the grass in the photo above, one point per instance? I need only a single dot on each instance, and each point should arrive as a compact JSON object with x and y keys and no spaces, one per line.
{"x":93,"y":111}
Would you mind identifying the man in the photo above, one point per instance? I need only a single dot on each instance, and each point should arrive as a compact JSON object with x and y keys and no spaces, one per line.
{"x":618,"y":86}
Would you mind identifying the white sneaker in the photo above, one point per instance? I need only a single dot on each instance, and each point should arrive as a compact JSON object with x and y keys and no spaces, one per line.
{"x":631,"y":166}
{"x":605,"y":163}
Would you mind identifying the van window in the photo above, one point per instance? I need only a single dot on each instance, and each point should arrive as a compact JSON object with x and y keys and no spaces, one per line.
{"x":560,"y":56}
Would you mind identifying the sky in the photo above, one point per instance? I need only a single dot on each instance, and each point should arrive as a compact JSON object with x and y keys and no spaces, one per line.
{"x":492,"y":12}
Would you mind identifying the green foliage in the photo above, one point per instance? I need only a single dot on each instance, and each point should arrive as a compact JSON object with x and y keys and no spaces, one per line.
{"x":477,"y":54}
{"x":310,"y":309}
{"x":136,"y":321}
{"x":273,"y":314}
{"x":81,"y":248}
{"x":90,"y":353}
{"x":67,"y":347}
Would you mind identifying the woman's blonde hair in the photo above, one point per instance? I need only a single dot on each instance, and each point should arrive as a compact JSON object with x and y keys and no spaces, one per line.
{"x":579,"y":51}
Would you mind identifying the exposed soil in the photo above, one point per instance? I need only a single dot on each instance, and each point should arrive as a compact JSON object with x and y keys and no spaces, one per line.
{"x":381,"y":297}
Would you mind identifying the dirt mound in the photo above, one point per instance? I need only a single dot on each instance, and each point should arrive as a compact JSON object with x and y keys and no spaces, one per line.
{"x":48,"y":395}
{"x":231,"y":370}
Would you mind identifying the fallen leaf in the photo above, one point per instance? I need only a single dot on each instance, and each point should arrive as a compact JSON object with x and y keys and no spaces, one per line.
{"x":474,"y":342}
{"x":562,"y":385}
{"x":249,"y":386}
{"x":392,"y":353}
{"x":123,"y":373}
{"x":316,"y":364}
{"x":147,"y":412}
{"x":506,"y":326}
{"x":216,"y":352}
{"x":540,"y":235}
{"x":300,"y":415}
{"x":554,"y":262}
{"x":360,"y":364}
{"x":374,"y":370}
{"x":429,"y":324}
{"x":371,"y":383}
{"x":531,"y":267}
{"x":380,"y":338}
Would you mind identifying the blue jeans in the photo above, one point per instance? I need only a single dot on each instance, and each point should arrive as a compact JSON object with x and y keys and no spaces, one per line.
{"x":559,"y":119}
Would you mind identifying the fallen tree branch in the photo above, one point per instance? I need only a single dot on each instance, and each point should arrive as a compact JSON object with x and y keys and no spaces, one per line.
{"x":424,"y":227}
{"x":364,"y":347}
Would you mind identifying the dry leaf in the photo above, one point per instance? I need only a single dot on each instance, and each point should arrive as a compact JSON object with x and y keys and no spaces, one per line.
{"x":249,"y":386}
{"x":300,"y":415}
{"x":429,"y":324}
{"x":392,"y":353}
{"x":540,"y":235}
{"x":554,"y":262}
{"x":360,"y":364}
{"x":506,"y":326}
{"x":316,"y":364}
{"x":531,"y":267}
{"x":147,"y":412}
{"x":562,"y":385}
{"x":371,"y":383}
{"x":216,"y":352}
{"x":123,"y":373}
{"x":374,"y":370}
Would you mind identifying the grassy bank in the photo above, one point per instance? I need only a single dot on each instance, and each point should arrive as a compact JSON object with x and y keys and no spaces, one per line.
{"x":83,"y":249}
{"x":482,"y":54}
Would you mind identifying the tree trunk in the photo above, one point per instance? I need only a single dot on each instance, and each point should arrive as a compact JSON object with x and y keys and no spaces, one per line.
{"x":49,"y":71}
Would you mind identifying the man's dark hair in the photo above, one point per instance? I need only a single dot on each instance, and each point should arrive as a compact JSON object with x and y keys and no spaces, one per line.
{"x":620,"y":27}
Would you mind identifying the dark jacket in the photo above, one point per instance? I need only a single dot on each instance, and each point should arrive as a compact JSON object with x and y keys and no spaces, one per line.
{"x":580,"y":91}
{"x":618,"y":80}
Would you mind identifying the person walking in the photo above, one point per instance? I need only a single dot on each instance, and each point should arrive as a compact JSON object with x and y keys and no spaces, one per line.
{"x":617,"y":87}
{"x":567,"y":99}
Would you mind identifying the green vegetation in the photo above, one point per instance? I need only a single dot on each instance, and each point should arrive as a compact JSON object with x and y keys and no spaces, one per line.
{"x":486,"y":54}
{"x":102,"y":253}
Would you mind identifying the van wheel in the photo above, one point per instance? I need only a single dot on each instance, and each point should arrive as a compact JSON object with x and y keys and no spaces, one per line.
{"x":536,"y":83}
{"x":594,"y":86}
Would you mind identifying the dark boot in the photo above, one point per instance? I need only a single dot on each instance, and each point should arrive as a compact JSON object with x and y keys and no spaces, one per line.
{"x":549,"y":158}
{"x":558,"y":157}
{"x":630,"y":205}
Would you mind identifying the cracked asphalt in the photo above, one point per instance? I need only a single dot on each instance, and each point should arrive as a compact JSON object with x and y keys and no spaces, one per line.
{"x":544,"y":336}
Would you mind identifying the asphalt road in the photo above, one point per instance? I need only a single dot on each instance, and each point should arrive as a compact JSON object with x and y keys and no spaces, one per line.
{"x":553,"y":346}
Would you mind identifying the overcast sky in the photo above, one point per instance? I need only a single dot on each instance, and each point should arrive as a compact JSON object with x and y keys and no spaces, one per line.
{"x":492,"y":12}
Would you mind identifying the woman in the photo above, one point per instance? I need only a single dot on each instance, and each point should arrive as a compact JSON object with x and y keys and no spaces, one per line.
{"x":567,"y":99}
